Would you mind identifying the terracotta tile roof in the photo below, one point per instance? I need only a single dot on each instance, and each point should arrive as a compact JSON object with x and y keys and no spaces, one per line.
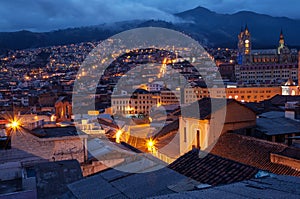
{"x":212,"y":169}
{"x":173,"y":126}
{"x":202,"y":109}
{"x":253,"y":152}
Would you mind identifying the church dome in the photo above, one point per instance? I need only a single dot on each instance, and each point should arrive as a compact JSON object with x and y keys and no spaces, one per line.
{"x":290,"y":82}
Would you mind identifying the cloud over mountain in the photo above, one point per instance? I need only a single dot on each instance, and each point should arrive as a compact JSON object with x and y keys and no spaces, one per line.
{"x":45,"y":15}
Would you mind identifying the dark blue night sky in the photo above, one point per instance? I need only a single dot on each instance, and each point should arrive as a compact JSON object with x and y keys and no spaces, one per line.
{"x":44,"y":15}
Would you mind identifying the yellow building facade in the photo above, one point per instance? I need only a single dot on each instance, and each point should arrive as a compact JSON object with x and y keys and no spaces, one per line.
{"x":242,"y":94}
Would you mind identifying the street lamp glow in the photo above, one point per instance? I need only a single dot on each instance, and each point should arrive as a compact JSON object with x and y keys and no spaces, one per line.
{"x":118,"y":136}
{"x":151,"y":145}
{"x":14,"y":124}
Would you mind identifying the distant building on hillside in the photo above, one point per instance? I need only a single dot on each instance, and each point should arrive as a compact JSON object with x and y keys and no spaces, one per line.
{"x":140,"y":102}
{"x":242,"y":94}
{"x":63,"y":109}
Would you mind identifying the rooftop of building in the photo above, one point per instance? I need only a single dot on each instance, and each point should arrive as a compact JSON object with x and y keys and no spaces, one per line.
{"x":272,"y":114}
{"x":264,"y":52}
{"x":52,"y":177}
{"x":276,"y":103}
{"x":273,"y":186}
{"x":202,"y":109}
{"x":212,"y":169}
{"x":252,"y":151}
{"x":290,"y":152}
{"x":173,"y":126}
{"x":280,"y":100}
{"x":277,"y":126}
{"x":112,"y":183}
{"x":56,"y":132}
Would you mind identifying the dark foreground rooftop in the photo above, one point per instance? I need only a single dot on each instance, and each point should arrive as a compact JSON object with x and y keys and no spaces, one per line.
{"x":116,"y":184}
{"x":52,"y":177}
{"x":277,"y":126}
{"x":211,"y":169}
{"x":274,"y":186}
{"x":253,"y":152}
{"x":53,"y":132}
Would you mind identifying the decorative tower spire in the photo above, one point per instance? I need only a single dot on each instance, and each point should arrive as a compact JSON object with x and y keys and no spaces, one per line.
{"x":241,"y":41}
{"x":281,"y":42}
{"x":281,"y":39}
{"x":246,"y":30}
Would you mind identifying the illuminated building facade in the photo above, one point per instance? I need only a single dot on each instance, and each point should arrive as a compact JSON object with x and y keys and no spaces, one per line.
{"x":265,"y":66}
{"x":200,"y":132}
{"x":242,"y":94}
{"x":169,"y":97}
{"x":244,"y":45}
{"x":140,"y":102}
{"x":63,"y":109}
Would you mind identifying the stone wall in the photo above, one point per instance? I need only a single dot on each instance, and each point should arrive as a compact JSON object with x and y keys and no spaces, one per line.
{"x":94,"y":167}
{"x":97,"y":166}
{"x":61,"y":148}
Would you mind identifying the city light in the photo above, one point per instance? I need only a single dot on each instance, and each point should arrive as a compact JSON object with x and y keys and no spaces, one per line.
{"x":118,"y":136}
{"x":14,"y":124}
{"x":151,"y":145}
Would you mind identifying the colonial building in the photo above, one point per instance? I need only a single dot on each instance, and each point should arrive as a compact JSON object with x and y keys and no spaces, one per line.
{"x":63,"y":109}
{"x":52,"y":144}
{"x":200,"y":130}
{"x":265,"y":66}
{"x":244,"y":45}
{"x":169,"y":97}
{"x":242,"y":94}
{"x":140,"y":102}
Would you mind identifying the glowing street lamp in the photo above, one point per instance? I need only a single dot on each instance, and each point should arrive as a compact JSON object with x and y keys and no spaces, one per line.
{"x":14,"y":124}
{"x":118,"y":136}
{"x":151,"y":145}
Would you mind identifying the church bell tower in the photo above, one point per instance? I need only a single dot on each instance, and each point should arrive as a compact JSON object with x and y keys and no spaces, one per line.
{"x":247,"y":41}
{"x":244,"y":45}
{"x":281,"y":42}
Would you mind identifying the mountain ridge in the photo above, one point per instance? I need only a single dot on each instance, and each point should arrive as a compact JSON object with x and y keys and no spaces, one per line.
{"x":208,"y":27}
